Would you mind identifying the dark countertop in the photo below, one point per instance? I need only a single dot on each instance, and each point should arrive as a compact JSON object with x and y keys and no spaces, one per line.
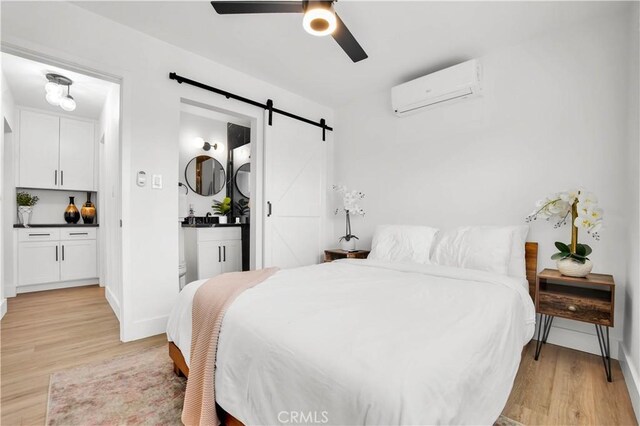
{"x":59,"y":225}
{"x":212,"y":225}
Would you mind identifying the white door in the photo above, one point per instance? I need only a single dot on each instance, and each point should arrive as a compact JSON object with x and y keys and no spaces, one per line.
{"x":231,"y":255}
{"x":293,"y":191}
{"x":78,"y":260}
{"x":39,"y":136}
{"x":77,"y":143}
{"x":38,"y":262}
{"x":209,"y":259}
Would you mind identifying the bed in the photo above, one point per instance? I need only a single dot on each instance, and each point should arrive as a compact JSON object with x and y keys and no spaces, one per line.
{"x":367,"y":342}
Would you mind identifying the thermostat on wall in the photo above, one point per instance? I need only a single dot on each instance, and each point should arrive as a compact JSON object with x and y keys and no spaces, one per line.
{"x":142,"y":178}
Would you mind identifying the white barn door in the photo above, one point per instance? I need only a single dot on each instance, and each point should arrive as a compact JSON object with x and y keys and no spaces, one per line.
{"x":294,"y":189}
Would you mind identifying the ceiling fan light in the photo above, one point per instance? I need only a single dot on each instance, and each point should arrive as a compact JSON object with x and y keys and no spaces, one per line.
{"x":54,"y":98}
{"x":68,"y":103}
{"x":319,"y":21}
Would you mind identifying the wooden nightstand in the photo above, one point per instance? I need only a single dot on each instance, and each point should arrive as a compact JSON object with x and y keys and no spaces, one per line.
{"x":589,"y":299}
{"x":334,"y":254}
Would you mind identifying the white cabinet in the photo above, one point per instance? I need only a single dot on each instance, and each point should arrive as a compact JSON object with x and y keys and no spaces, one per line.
{"x":212,"y":251}
{"x":56,"y":257}
{"x":39,"y":135}
{"x":76,"y":154}
{"x":56,"y":152}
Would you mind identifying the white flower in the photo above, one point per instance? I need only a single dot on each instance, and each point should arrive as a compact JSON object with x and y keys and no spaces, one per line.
{"x":568,"y":196}
{"x":587,"y":198}
{"x":583,"y":222}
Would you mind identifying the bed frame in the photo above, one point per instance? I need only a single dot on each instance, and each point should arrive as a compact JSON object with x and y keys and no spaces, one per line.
{"x":181,"y":369}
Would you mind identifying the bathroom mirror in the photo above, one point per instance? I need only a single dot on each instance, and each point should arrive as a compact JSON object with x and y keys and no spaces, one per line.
{"x":242,"y":180}
{"x":205,"y":175}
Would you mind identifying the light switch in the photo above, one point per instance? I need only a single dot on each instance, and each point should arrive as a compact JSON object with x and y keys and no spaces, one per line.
{"x":156,"y":182}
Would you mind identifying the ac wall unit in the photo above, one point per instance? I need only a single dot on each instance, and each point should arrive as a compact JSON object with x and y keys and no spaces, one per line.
{"x":448,"y":85}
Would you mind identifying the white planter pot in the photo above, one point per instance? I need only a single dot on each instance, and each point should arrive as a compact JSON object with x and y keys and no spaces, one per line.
{"x":24,"y":215}
{"x":572,"y":268}
{"x":348,"y":245}
{"x":222,"y":219}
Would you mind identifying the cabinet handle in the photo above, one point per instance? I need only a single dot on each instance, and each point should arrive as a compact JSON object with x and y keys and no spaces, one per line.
{"x":39,"y":235}
{"x":572,"y":308}
{"x":61,"y":177}
{"x":63,"y":252}
{"x":78,"y":233}
{"x":55,"y":177}
{"x":219,"y":257}
{"x":268,"y":208}
{"x":224,"y":253}
{"x":56,"y":253}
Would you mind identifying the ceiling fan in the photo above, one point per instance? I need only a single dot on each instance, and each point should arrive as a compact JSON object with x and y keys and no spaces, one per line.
{"x":320,"y":19}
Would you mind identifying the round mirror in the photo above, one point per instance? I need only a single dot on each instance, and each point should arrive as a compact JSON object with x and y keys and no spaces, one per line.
{"x":205,"y":175}
{"x":242,"y":180}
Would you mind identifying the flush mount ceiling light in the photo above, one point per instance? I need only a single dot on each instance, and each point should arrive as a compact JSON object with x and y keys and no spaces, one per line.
{"x":319,"y":19}
{"x":55,"y":86}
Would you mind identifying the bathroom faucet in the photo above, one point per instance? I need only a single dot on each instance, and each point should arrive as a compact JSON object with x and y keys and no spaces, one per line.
{"x":207,"y":216}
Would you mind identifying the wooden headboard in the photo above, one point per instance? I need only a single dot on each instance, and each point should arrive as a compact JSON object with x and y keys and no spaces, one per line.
{"x":531,"y":261}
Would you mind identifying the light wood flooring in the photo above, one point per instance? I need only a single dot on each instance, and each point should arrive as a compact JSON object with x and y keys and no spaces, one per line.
{"x":50,"y":331}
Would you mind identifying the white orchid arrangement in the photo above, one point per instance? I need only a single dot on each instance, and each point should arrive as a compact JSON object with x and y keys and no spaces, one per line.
{"x":350,"y":205}
{"x":585,"y":214}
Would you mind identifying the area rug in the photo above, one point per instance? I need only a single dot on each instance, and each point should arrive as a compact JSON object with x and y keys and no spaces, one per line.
{"x":136,"y":389}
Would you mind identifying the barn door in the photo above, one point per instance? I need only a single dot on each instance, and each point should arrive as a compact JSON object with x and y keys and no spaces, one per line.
{"x":293,"y":193}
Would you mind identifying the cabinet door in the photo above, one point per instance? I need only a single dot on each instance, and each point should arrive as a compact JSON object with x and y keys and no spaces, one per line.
{"x":231,"y":255}
{"x":39,"y":136}
{"x":78,"y":260}
{"x":77,"y":143}
{"x":38,"y":262}
{"x":209,"y":259}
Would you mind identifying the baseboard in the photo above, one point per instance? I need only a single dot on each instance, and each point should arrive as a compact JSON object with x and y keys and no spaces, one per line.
{"x":631,"y":378}
{"x":146,"y":328}
{"x":113,"y":302}
{"x":54,"y":286}
{"x":581,"y":341}
{"x":3,"y":308}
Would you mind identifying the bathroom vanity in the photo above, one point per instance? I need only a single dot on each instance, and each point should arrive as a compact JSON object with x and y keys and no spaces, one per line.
{"x":212,"y":250}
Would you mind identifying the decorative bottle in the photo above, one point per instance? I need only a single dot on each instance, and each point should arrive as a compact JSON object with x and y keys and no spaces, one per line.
{"x":88,"y":210}
{"x":71,"y":213}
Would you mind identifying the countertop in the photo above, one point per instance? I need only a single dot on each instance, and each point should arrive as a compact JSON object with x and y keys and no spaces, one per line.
{"x":212,"y":225}
{"x":58,"y":225}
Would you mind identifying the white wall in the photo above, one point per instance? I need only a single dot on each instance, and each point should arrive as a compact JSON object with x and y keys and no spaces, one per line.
{"x":7,"y":192}
{"x":150,"y":132}
{"x":630,"y":358}
{"x":553,"y":116}
{"x":191,"y":127}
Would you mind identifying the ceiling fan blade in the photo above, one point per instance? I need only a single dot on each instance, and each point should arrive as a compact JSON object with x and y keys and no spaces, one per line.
{"x":348,"y":42}
{"x":241,"y":7}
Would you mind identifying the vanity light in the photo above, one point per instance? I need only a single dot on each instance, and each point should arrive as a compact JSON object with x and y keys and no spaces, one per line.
{"x":207,"y":145}
{"x":55,"y":91}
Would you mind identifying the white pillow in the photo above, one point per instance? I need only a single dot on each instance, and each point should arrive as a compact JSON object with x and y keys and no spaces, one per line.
{"x":480,"y":247}
{"x":517,"y":262}
{"x":402,"y":243}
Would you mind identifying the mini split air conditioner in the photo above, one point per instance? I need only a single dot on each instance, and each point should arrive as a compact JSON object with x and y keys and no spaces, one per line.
{"x":445,"y":86}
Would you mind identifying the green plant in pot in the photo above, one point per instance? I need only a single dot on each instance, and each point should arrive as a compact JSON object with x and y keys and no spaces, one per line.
{"x":25,"y":202}
{"x":222,"y":208}
{"x":583,"y":209}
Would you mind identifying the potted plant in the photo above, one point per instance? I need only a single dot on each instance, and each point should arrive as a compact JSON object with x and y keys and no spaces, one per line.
{"x":571,"y":258}
{"x":349,"y":206}
{"x":222,"y":208}
{"x":242,"y":207}
{"x":25,"y":203}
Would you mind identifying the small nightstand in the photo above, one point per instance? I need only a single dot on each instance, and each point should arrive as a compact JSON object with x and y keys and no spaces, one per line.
{"x":334,"y":254}
{"x":589,"y":299}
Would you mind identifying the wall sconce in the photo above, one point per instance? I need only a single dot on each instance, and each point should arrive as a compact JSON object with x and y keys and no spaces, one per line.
{"x":208,"y":145}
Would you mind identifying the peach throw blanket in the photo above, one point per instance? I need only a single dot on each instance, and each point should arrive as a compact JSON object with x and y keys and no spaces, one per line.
{"x":210,"y":303}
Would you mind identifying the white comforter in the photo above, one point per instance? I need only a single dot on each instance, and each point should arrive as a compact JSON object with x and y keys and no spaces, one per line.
{"x":364,"y":342}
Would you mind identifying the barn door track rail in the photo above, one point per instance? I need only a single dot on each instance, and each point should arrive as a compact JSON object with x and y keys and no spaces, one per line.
{"x":267,"y":106}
